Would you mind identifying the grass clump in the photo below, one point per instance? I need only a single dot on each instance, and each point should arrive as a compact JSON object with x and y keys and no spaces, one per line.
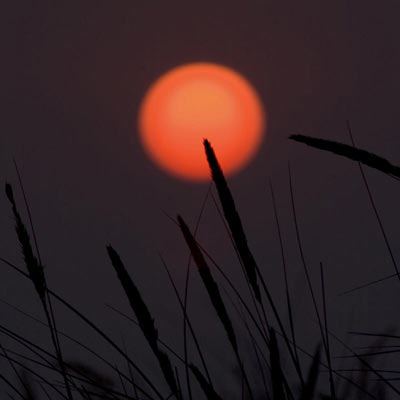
{"x":289,"y":371}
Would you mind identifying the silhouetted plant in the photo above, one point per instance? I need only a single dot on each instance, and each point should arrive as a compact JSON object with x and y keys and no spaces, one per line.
{"x":270,"y":343}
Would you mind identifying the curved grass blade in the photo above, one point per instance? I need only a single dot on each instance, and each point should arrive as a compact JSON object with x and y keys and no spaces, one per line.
{"x":353,"y":153}
{"x":83,"y":346}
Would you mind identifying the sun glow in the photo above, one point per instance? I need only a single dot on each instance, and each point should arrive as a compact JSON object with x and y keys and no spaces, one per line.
{"x":197,"y":101}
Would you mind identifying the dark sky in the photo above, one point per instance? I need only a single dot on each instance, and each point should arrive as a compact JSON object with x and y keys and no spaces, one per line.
{"x":73,"y":74}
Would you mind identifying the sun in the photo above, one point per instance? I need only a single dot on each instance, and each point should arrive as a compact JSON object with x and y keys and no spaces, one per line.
{"x":200,"y":101}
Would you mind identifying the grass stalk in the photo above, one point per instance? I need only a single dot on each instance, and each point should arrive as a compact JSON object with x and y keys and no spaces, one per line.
{"x":311,"y":383}
{"x":350,"y":152}
{"x":371,"y":199}
{"x":328,"y":351}
{"x":36,"y":274}
{"x":185,"y":299}
{"x":239,"y":236}
{"x":92,"y":325}
{"x":233,"y":219}
{"x":214,"y":294}
{"x":144,"y":317}
{"x":185,"y":315}
{"x":288,"y":301}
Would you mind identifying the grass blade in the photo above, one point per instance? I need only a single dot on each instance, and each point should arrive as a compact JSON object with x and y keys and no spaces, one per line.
{"x":371,"y":199}
{"x":309,"y":388}
{"x":239,"y":237}
{"x":353,"y":153}
{"x":35,"y":270}
{"x":213,"y":292}
{"x":92,"y":325}
{"x":144,"y":317}
{"x":278,"y":391}
{"x":36,"y":274}
{"x":327,"y":349}
{"x":233,"y":219}
{"x":208,"y":390}
{"x":209,"y":283}
{"x":288,"y":301}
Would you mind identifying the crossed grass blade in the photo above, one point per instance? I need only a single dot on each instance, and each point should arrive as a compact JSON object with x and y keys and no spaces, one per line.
{"x":87,"y":375}
{"x":144,"y":318}
{"x":204,"y":383}
{"x":12,"y":386}
{"x":38,"y":376}
{"x":69,"y":365}
{"x":205,"y":386}
{"x":214,"y":294}
{"x":93,"y":326}
{"x":192,"y":331}
{"x":209,"y":283}
{"x":368,"y":366}
{"x":22,"y":377}
{"x":362,"y":157}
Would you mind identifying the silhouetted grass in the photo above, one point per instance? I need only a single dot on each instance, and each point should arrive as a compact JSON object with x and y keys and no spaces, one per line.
{"x":240,"y":240}
{"x":278,"y":383}
{"x":214,"y":294}
{"x":36,"y":274}
{"x":145,"y":319}
{"x":210,"y":284}
{"x":233,"y":219}
{"x":351,"y":152}
{"x":35,"y":270}
{"x":206,"y":387}
{"x":276,"y":359}
{"x":312,"y":378}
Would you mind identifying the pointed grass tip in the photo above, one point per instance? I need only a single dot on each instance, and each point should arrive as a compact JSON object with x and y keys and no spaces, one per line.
{"x":9,"y":192}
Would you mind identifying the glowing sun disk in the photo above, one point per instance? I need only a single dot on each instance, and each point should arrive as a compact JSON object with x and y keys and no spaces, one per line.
{"x":197,"y":101}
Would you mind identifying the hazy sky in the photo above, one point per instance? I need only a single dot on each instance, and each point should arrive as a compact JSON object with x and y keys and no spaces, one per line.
{"x":73,"y":74}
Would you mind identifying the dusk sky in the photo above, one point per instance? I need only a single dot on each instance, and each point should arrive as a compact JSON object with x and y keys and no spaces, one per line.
{"x":73,"y":75}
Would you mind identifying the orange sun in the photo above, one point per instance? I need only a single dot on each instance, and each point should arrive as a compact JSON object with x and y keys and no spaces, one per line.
{"x":201,"y":101}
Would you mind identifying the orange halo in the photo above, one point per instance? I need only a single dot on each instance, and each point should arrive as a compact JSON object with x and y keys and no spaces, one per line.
{"x":197,"y":101}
